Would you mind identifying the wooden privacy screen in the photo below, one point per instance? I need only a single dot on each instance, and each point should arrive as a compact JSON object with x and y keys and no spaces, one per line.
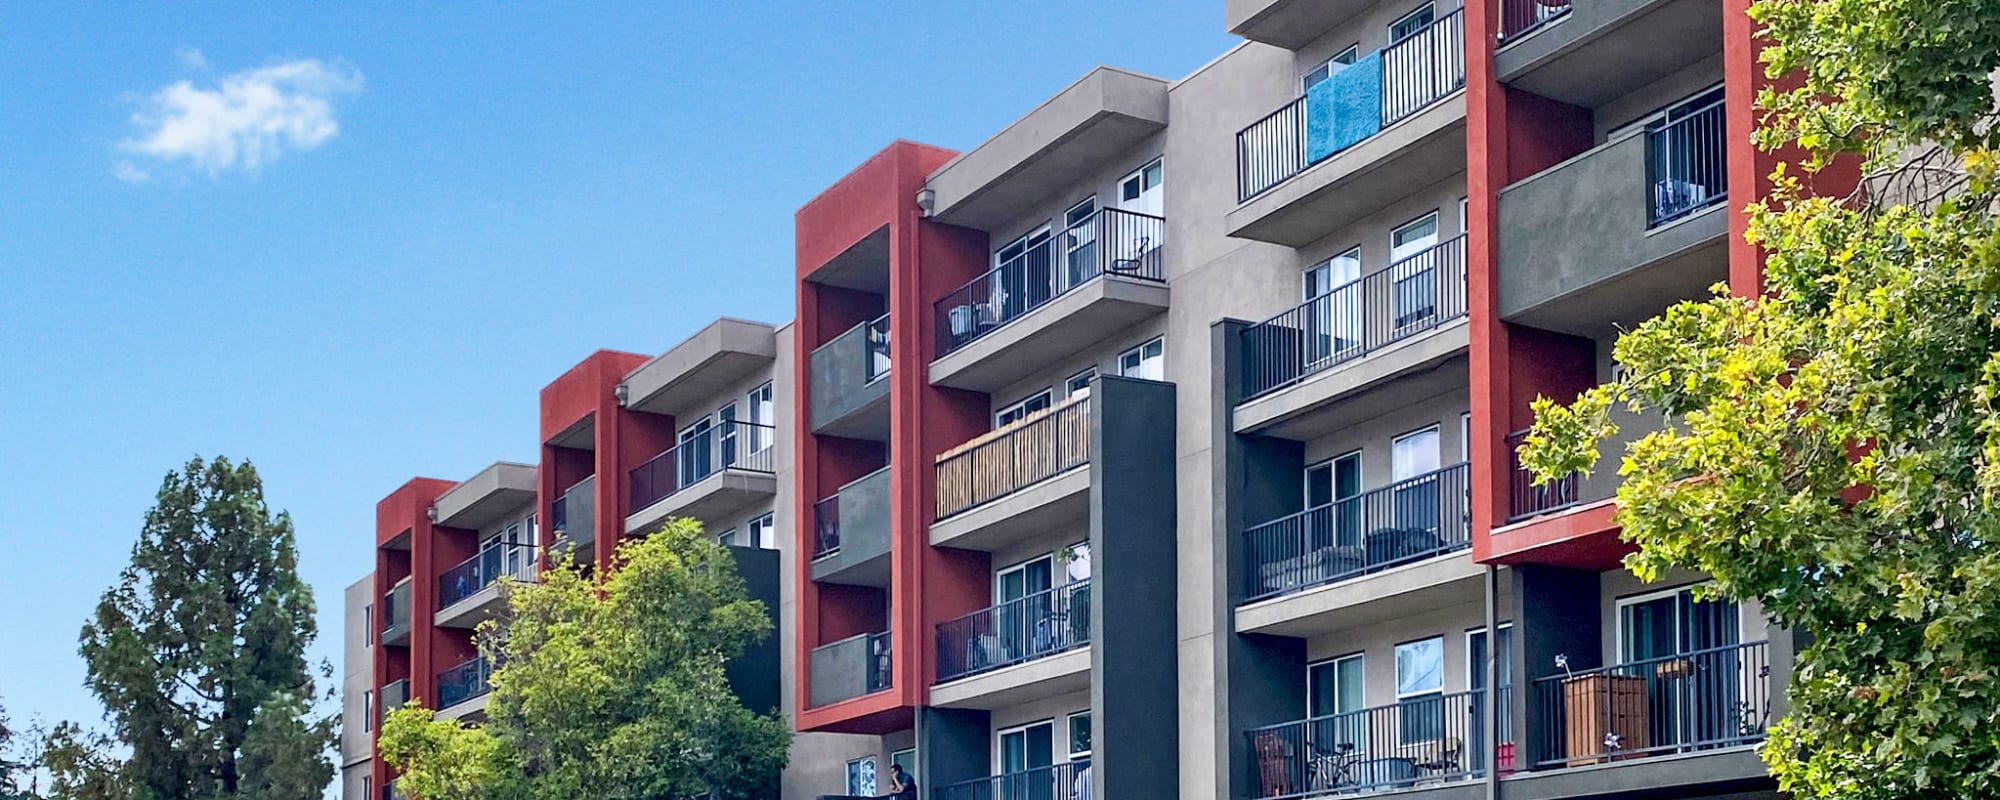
{"x":1008,"y":459}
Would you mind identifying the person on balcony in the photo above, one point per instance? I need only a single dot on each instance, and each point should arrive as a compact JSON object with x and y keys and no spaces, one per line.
{"x":902,"y":786}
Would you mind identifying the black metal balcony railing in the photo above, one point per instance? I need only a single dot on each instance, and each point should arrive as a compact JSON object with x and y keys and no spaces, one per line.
{"x":1699,"y":700}
{"x":724,"y":446}
{"x":1411,"y":296}
{"x":1428,"y":738}
{"x":881,"y":661}
{"x":1036,"y":626}
{"x":1409,"y":520}
{"x":1417,"y":70}
{"x":1521,"y":17}
{"x":826,"y":527}
{"x":1687,"y":165}
{"x":496,"y":560}
{"x":878,"y":348}
{"x":1111,"y":241}
{"x":1529,"y":498}
{"x":1014,"y":457}
{"x":1053,"y":782}
{"x":464,"y":682}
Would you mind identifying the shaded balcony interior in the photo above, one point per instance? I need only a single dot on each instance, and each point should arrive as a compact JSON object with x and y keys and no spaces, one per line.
{"x":1587,"y":53}
{"x":852,"y":666}
{"x":716,"y":468}
{"x":1391,"y":702}
{"x":462,"y":689}
{"x":396,"y":614}
{"x":1412,"y":296}
{"x":851,"y":533}
{"x":1632,"y":672}
{"x":849,"y":361}
{"x":1062,"y":288}
{"x":1370,"y":130}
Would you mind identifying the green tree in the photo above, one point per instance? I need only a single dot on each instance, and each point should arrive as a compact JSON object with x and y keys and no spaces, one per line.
{"x":610,"y":689}
{"x":206,"y":628}
{"x":79,"y":766}
{"x":1833,"y":450}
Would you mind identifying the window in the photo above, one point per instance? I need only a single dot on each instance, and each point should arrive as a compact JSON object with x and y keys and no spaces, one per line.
{"x":368,"y":624}
{"x":763,"y":533}
{"x":1019,"y":411}
{"x":1503,"y":672}
{"x":726,"y":538}
{"x":692,"y":455}
{"x":907,"y":759}
{"x":1327,"y":68}
{"x":1142,"y":191}
{"x":1413,"y":465}
{"x":861,"y":777}
{"x":1333,"y":701}
{"x":1409,"y":26}
{"x":1078,"y":385}
{"x":1413,"y":267}
{"x":1079,"y":735}
{"x":1332,"y":274}
{"x":1420,"y":690}
{"x":1465,"y":435}
{"x":367,"y":710}
{"x":1414,"y":454}
{"x":1027,"y":747}
{"x":1664,"y":634}
{"x":1079,"y":243}
{"x":763,"y":415}
{"x":1334,"y":313}
{"x":1146,"y":361}
{"x":1665,"y":624}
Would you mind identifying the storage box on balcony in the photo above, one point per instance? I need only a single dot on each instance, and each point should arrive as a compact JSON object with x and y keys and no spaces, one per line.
{"x":1595,"y":706}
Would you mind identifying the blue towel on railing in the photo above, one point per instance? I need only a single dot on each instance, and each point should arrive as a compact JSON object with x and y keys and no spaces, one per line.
{"x":1344,"y":109}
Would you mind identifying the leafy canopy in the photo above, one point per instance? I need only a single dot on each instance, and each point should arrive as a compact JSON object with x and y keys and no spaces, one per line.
{"x":1832,"y":450}
{"x":609,"y":689}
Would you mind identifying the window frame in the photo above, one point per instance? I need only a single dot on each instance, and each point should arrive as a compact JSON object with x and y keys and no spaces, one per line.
{"x":761,"y":402}
{"x":1360,"y":656}
{"x":1070,"y":388}
{"x":1345,"y":57}
{"x":1069,"y":735}
{"x":1426,"y":8}
{"x":1140,"y":351}
{"x":1017,"y":411}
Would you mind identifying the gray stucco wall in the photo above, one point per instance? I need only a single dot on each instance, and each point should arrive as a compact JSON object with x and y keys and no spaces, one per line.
{"x":357,"y":746}
{"x":864,"y":532}
{"x":1132,"y":574}
{"x":840,"y":384}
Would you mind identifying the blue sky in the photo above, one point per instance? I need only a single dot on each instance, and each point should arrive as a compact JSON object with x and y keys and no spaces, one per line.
{"x":456,"y":206}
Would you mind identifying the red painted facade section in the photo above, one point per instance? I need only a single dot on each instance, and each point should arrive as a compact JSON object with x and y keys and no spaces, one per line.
{"x":407,"y":546}
{"x":926,"y":260}
{"x":618,"y":441}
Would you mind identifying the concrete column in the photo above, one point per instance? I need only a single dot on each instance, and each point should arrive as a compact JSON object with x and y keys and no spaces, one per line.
{"x":1556,"y":612}
{"x":951,"y":747}
{"x":1134,"y":697}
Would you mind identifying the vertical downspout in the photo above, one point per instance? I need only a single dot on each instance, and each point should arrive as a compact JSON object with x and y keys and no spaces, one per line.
{"x":1492,"y":704}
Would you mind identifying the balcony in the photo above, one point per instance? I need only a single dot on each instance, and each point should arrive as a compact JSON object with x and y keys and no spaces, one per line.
{"x":1392,"y":323}
{"x":1290,"y":24}
{"x":1053,"y":782}
{"x":1700,"y":701}
{"x":851,"y":533}
{"x":1389,"y":125}
{"x":710,"y":475}
{"x":572,"y":519}
{"x":394,"y":695}
{"x":850,"y":399}
{"x":975,"y":652}
{"x":462,"y":689}
{"x":1615,"y":234}
{"x":471,"y":592}
{"x":852,"y":667}
{"x":1084,"y":284}
{"x":1097,"y":120}
{"x":396,"y":615}
{"x":1420,"y":742}
{"x":718,"y":357}
{"x":490,"y":497}
{"x":1586,"y":54}
{"x":1405,"y":522}
{"x":1015,"y":480}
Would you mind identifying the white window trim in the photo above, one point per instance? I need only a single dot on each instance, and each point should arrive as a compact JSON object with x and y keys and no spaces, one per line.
{"x":1044,"y":231}
{"x":1352,"y":53}
{"x":1432,"y":429}
{"x":1022,"y":566}
{"x":1415,"y":12}
{"x":1069,"y":389}
{"x":1002,"y":733}
{"x":1140,"y":350}
{"x":1470,"y":634}
{"x":1360,"y":475}
{"x":1432,"y":217}
{"x":1442,"y":658}
{"x":1069,"y":731}
{"x":1046,"y":393}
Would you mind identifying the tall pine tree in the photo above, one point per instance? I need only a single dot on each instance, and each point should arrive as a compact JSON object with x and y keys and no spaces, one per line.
{"x":204,"y":634}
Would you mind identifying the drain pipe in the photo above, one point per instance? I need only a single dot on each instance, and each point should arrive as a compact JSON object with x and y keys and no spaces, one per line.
{"x":1491,"y":722}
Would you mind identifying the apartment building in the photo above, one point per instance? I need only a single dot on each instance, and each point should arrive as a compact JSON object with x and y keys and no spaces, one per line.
{"x":1333,"y":267}
{"x":627,"y":443}
{"x":1161,"y":444}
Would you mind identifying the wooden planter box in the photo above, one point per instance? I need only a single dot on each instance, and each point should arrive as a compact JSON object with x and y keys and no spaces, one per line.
{"x":1595,"y":705}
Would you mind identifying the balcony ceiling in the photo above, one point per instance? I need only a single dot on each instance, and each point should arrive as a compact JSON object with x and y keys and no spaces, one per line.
{"x":862,"y":267}
{"x":1077,"y":133}
{"x":716,"y":358}
{"x":487,"y":497}
{"x":1290,"y":24}
{"x":1606,"y":49}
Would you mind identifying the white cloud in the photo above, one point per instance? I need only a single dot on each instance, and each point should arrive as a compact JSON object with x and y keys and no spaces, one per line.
{"x":191,"y":57}
{"x":244,"y":121}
